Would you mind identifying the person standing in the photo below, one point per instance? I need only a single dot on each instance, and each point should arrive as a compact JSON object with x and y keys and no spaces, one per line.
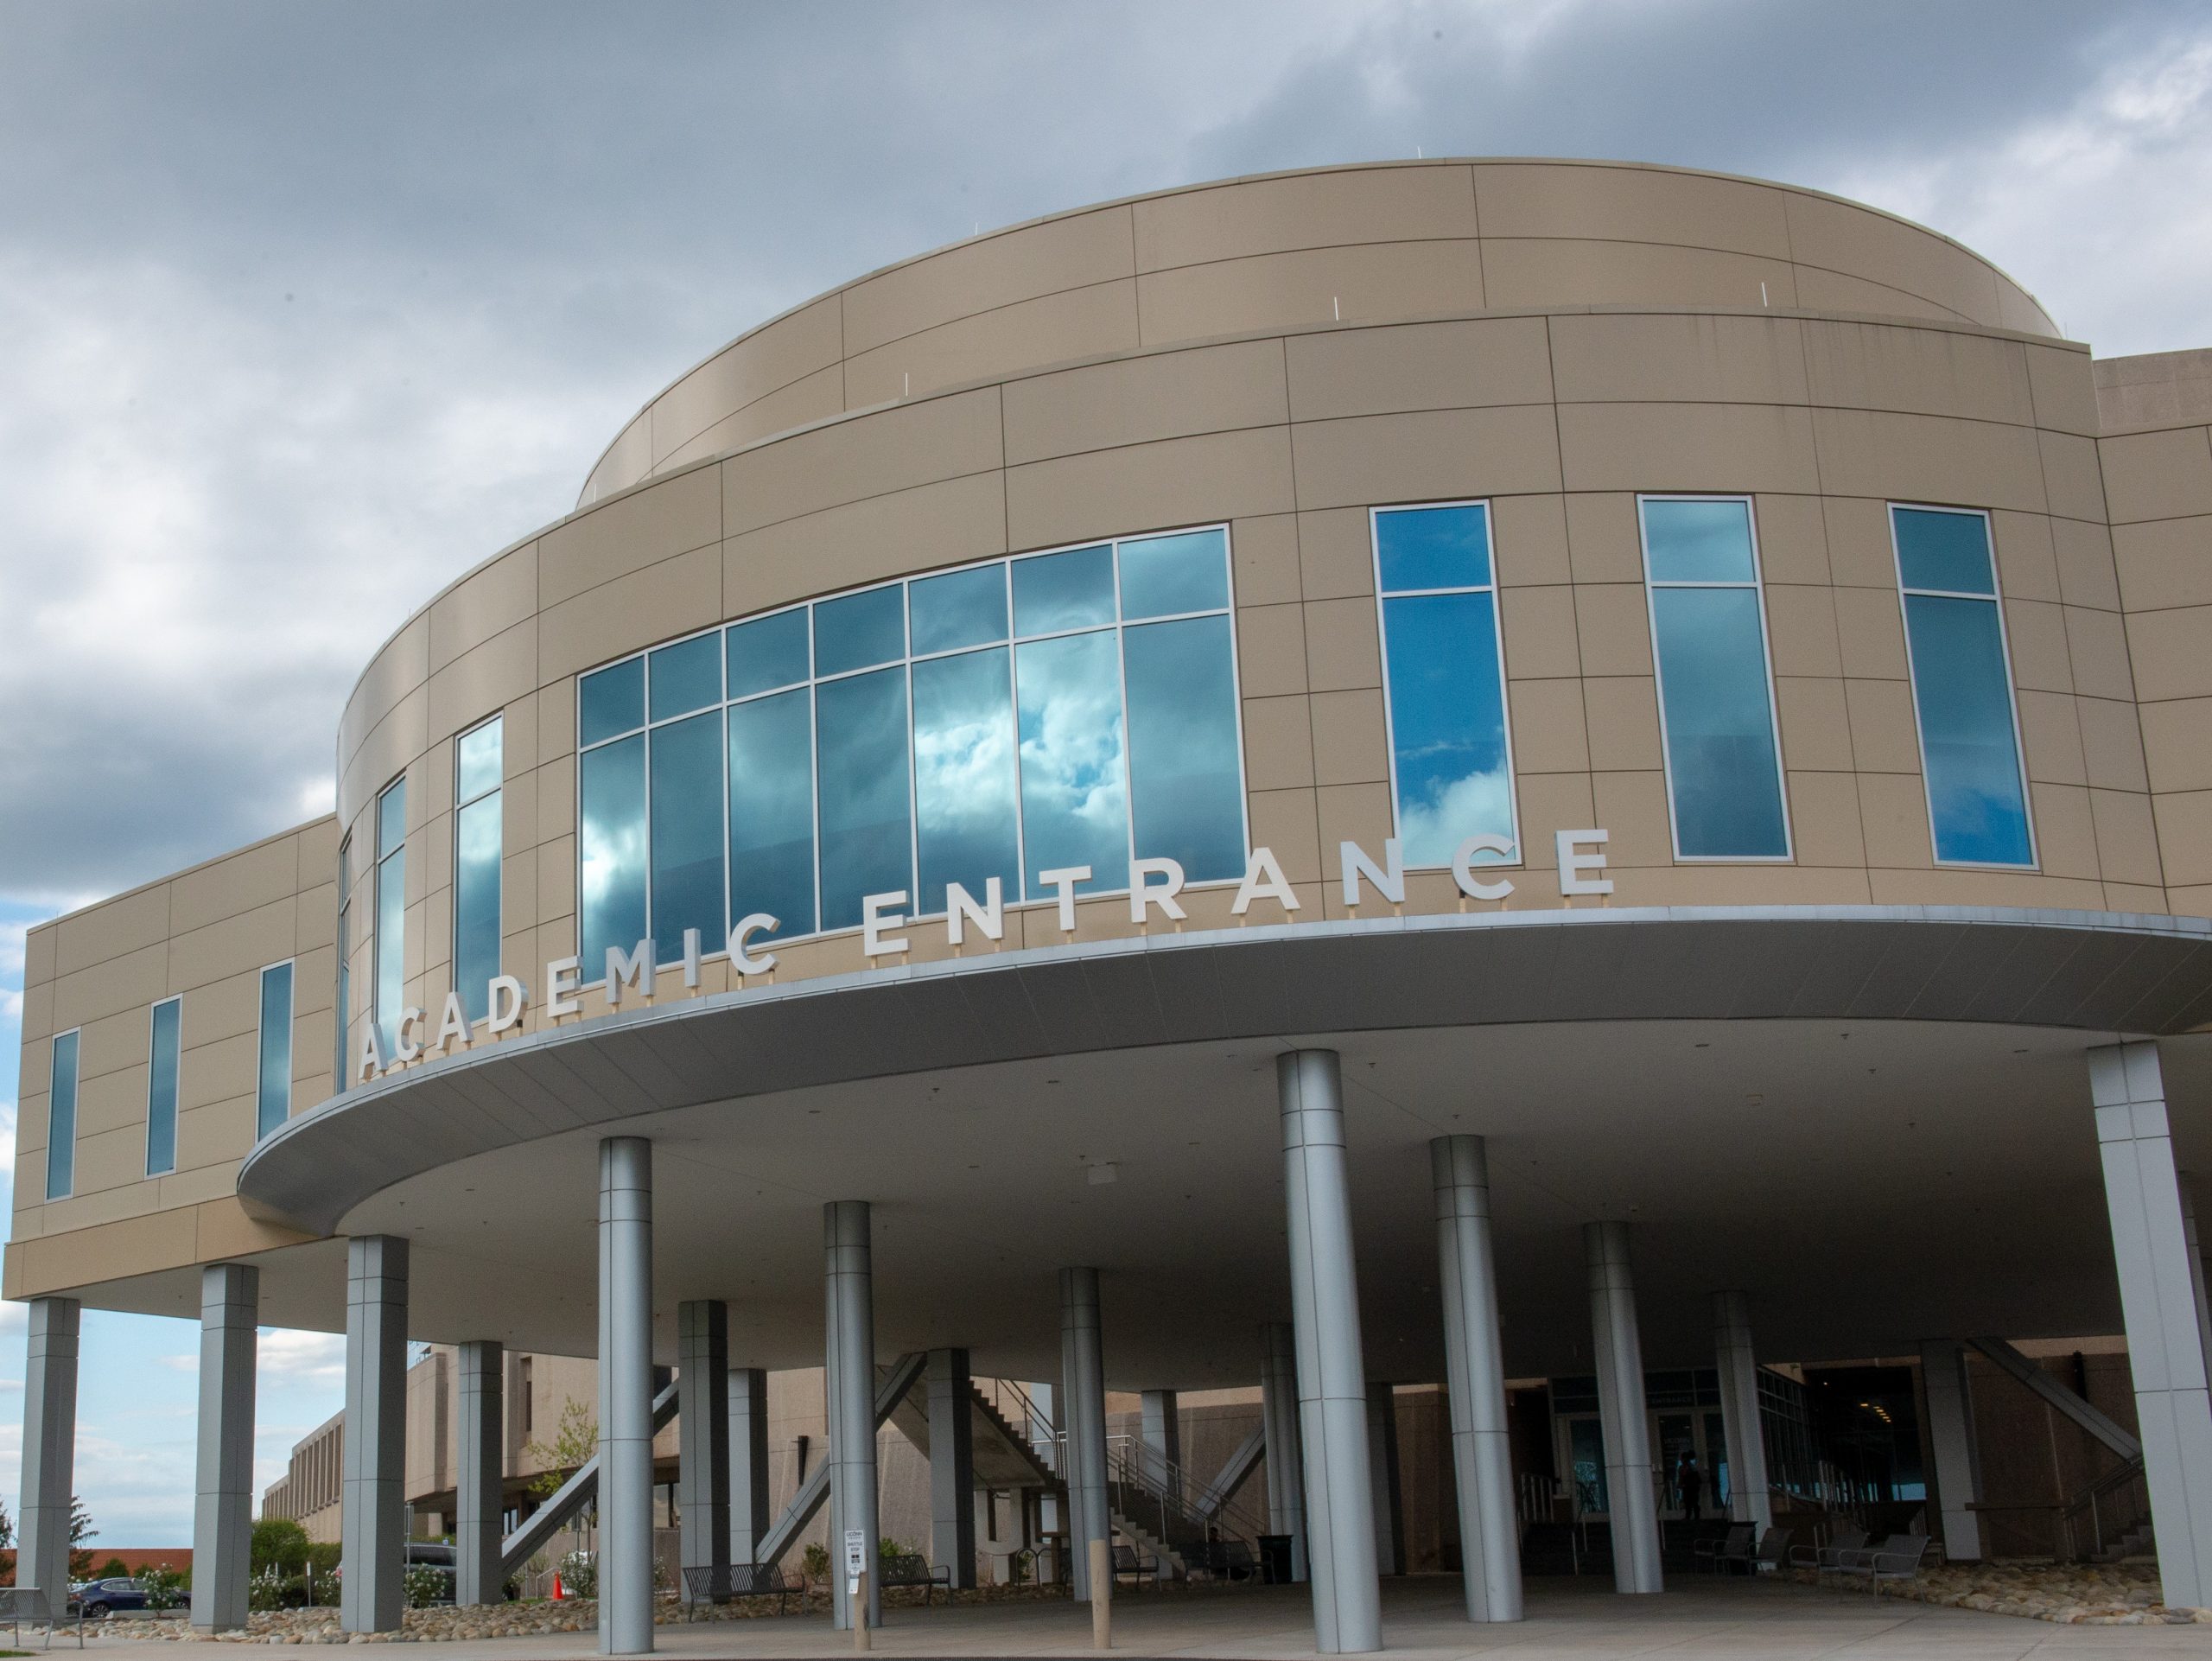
{"x":1689,"y":1481}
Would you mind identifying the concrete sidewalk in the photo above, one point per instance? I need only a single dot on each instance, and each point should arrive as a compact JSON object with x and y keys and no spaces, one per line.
{"x":1567,"y":1620}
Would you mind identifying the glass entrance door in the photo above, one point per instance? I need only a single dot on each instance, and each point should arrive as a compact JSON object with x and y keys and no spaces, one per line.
{"x":1672,"y":1434}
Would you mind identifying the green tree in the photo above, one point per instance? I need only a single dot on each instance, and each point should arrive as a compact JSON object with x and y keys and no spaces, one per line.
{"x":7,"y":1528}
{"x":81,"y":1530}
{"x":280,"y":1543}
{"x":575,"y":1441}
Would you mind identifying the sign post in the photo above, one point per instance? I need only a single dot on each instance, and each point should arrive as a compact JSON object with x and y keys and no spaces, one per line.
{"x":856,"y":1583}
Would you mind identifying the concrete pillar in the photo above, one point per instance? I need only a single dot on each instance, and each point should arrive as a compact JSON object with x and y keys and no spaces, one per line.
{"x":1631,"y":1504}
{"x":1279,"y":1421}
{"x":2158,"y":1301}
{"x":1383,"y":1471}
{"x":702,"y":1471}
{"x":222,"y":1515}
{"x":748,"y":1463}
{"x":952,"y":1465}
{"x":1749,"y":1498}
{"x":625,"y":1395}
{"x":50,"y":1448}
{"x":372,"y":1507}
{"x":480,"y":1482}
{"x":1082,"y":1414}
{"x":1160,"y":1440}
{"x":1951,"y":1439}
{"x":1482,"y":1447}
{"x":848,"y":1385}
{"x":1331,"y":1371}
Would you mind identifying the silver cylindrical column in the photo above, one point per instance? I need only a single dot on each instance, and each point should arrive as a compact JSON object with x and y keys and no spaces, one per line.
{"x":1749,"y":1501}
{"x":1082,"y":1415}
{"x":850,"y":1387}
{"x":1629,"y":1497}
{"x":1331,"y":1371}
{"x":1279,"y":1435}
{"x":625,"y":1395}
{"x":1482,"y":1455}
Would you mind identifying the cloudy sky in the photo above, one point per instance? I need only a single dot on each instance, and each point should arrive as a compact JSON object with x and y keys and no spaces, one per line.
{"x":304,"y":308}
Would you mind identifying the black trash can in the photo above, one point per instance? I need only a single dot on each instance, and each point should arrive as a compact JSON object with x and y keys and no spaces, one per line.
{"x":1274,"y":1559}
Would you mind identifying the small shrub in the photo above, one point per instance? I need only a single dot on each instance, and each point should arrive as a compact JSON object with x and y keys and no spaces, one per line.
{"x":425,"y":1583}
{"x":279,"y":1541}
{"x":264,"y":1589}
{"x":815,"y":1563}
{"x":164,"y":1587}
{"x":113,"y":1569}
{"x":579,"y":1575}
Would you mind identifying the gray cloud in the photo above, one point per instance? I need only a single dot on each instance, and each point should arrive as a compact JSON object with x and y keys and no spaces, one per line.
{"x":312,"y":306}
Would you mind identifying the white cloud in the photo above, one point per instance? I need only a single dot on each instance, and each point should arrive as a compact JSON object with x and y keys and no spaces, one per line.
{"x":295,"y":1358}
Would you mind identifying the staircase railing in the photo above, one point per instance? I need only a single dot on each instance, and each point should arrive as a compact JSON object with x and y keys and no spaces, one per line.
{"x":1167,"y":1486}
{"x":2107,"y":1510}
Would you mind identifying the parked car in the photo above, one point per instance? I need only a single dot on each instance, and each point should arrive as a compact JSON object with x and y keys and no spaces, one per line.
{"x":100,"y":1599}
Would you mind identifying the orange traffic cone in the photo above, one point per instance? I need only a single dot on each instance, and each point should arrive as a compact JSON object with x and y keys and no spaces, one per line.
{"x":557,"y":1593}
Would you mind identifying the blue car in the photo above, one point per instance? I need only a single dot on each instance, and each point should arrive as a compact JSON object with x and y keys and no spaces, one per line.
{"x":100,"y":1599}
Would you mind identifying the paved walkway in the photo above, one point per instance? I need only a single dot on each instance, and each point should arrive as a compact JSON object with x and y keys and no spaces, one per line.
{"x":1567,"y":1620}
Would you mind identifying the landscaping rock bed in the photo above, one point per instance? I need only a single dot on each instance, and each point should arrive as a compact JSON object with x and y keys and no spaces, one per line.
{"x":2088,"y":1594}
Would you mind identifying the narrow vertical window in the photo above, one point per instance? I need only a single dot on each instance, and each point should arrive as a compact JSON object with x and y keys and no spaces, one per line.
{"x":1961,"y":687}
{"x":342,"y":1019}
{"x":61,"y":1120}
{"x":390,"y":992}
{"x":1444,"y":681}
{"x":477,"y":835}
{"x":611,"y":812}
{"x":1716,"y":692}
{"x":273,"y":1081}
{"x":162,"y":1053}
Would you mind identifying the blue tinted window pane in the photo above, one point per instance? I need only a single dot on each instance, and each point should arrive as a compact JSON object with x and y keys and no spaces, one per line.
{"x":390,"y":993}
{"x":612,"y":875}
{"x":963,"y":775}
{"x":866,"y":830}
{"x":1447,"y":723}
{"x":1163,"y":576}
{"x":687,"y":767}
{"x":161,"y":1090}
{"x":273,"y":1093}
{"x":478,"y":767}
{"x":613,"y":701}
{"x":860,"y":631}
{"x":1433,"y":548}
{"x":768,"y":652}
{"x":61,"y":1120}
{"x":959,"y":608}
{"x":1186,"y":784}
{"x":1073,"y":589}
{"x":685,"y":676}
{"x":1966,"y":731}
{"x":476,"y":903}
{"x":772,"y":810}
{"x":391,"y":818}
{"x":1720,"y":751}
{"x":1074,"y":796}
{"x":1949,"y":552}
{"x":1699,"y":542}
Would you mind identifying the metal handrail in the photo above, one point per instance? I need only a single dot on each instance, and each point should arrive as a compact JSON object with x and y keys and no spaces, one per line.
{"x":2092,"y":1500}
{"x":1175,"y":1485}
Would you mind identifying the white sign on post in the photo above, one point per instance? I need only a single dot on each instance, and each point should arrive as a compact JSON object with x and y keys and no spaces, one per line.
{"x":856,"y":1557}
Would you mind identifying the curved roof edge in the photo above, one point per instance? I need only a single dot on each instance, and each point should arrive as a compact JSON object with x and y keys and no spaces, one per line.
{"x":1193,"y":187}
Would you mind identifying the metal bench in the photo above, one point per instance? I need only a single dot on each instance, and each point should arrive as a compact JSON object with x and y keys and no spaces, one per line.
{"x":1821,"y":1560}
{"x":1225,"y":1560}
{"x":709,"y":1585}
{"x":1897,"y":1558}
{"x":1774,"y":1551}
{"x":912,"y":1568}
{"x":21,"y":1603}
{"x":1723,"y":1554}
{"x":1130,"y":1565}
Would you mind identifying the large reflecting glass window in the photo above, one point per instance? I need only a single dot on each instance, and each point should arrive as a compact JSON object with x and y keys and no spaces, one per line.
{"x":61,"y":1119}
{"x":162,"y":1056}
{"x":390,"y":991}
{"x":1716,"y":690}
{"x":479,"y":769}
{"x":273,"y":1083}
{"x":1074,"y":707}
{"x":1961,"y":687}
{"x":1444,"y":681}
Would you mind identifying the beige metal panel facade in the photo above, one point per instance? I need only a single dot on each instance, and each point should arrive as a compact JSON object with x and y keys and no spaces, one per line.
{"x":1360,"y":243}
{"x":203,"y":935}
